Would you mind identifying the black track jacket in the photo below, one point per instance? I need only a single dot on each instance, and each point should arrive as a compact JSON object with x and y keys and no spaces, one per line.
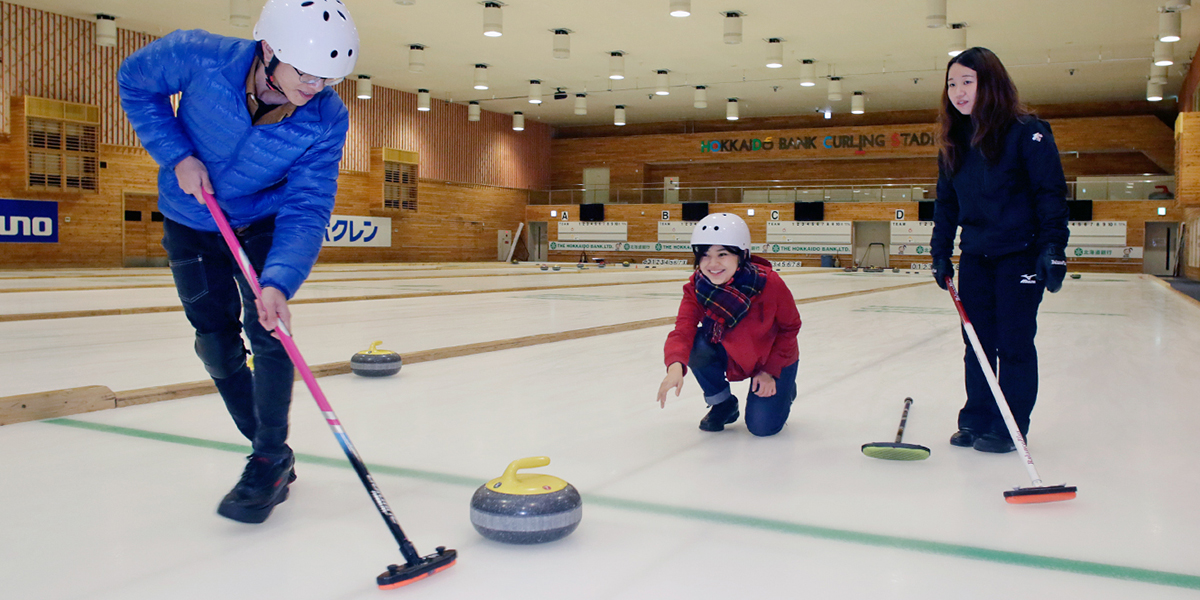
{"x":1018,"y":202}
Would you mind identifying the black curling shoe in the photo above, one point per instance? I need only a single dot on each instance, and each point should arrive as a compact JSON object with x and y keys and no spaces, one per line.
{"x":720,"y":415}
{"x":997,"y":443}
{"x":963,"y":438}
{"x":264,"y":484}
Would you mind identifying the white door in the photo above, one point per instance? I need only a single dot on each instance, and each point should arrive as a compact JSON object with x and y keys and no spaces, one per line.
{"x":1158,"y":250}
{"x":595,"y":186}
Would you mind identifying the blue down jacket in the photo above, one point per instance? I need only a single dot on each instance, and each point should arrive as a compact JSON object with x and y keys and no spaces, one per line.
{"x":287,"y":169}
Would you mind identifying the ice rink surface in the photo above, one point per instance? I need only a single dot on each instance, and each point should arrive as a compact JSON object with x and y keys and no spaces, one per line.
{"x":121,"y":503}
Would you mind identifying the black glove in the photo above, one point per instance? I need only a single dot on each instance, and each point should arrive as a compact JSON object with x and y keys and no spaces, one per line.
{"x":942,"y":268}
{"x":1052,"y":268}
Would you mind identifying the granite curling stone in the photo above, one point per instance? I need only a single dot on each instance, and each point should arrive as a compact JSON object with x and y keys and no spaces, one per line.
{"x":374,"y":362}
{"x":557,"y":268}
{"x":526,"y":508}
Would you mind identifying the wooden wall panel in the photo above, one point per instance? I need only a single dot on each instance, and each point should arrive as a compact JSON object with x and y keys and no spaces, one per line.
{"x":633,"y":160}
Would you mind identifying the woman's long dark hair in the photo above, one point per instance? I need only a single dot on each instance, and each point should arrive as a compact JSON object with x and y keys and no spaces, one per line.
{"x":996,"y":107}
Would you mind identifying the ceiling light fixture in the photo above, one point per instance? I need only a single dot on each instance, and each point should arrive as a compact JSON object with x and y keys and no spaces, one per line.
{"x":681,"y":8}
{"x":958,"y":39}
{"x":857,"y":104}
{"x":481,"y":82}
{"x":364,"y":87}
{"x":1169,"y":25}
{"x":423,"y":100}
{"x":808,"y":73}
{"x":835,"y":89}
{"x":106,"y":30}
{"x":1154,"y":91}
{"x":473,"y":111}
{"x":619,"y":115}
{"x":700,"y":98}
{"x":774,"y":53}
{"x":518,"y":121}
{"x":935,"y":13}
{"x":562,"y":43}
{"x":535,"y":91}
{"x":581,"y":104}
{"x":493,"y":19}
{"x":616,"y":65}
{"x":1164,"y":54}
{"x":731,"y":109}
{"x":416,"y":58}
{"x":733,"y":27}
{"x":664,"y":83}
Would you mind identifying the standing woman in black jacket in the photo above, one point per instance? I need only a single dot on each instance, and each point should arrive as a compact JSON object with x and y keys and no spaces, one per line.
{"x":1001,"y":180}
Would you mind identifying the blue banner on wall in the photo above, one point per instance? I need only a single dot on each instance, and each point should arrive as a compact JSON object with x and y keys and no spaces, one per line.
{"x":26,"y":221}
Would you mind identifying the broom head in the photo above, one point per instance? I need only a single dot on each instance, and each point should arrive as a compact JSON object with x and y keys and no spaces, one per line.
{"x":895,"y":451}
{"x":1040,"y":494}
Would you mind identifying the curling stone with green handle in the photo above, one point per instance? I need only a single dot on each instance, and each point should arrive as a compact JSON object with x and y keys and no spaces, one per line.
{"x":374,"y":362}
{"x":526,"y":508}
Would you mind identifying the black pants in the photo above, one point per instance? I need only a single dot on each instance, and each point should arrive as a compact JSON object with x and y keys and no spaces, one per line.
{"x":1001,"y":298}
{"x":217,"y":301}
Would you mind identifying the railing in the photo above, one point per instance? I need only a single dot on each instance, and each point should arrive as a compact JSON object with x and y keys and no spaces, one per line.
{"x":1091,"y":188}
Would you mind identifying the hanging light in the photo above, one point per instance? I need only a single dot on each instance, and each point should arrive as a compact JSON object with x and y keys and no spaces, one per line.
{"x":808,"y":73}
{"x":616,"y":65}
{"x":935,"y":13}
{"x":681,"y":8}
{"x":700,"y":99}
{"x":1179,"y":4}
{"x":364,"y":87}
{"x":619,"y":115}
{"x":664,"y":83}
{"x":518,"y":121}
{"x":733,"y":27}
{"x":562,"y":43}
{"x":731,"y":109}
{"x":535,"y":91}
{"x":1164,"y":55}
{"x":416,"y":58}
{"x":423,"y":100}
{"x":493,"y":19}
{"x":958,"y":39}
{"x":581,"y":104}
{"x":857,"y":104}
{"x":1154,"y":91}
{"x":774,"y":53}
{"x":239,"y":13}
{"x":835,"y":89}
{"x":1168,"y":26}
{"x":472,"y":111}
{"x":481,"y":77}
{"x":1158,"y":74}
{"x":106,"y":30}
{"x":828,"y":113}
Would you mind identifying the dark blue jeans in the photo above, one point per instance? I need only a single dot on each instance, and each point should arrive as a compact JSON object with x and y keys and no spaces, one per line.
{"x":1001,"y":299}
{"x":764,"y":416}
{"x":220,"y":305}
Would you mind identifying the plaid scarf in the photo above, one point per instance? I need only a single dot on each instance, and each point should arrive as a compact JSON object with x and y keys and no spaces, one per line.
{"x":726,"y":304}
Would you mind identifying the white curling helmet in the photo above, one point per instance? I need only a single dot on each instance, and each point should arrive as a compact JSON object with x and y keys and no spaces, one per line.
{"x":317,"y":37}
{"x":723,"y":229}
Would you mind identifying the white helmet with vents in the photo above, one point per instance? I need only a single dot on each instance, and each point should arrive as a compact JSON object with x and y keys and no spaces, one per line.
{"x":724,"y":229}
{"x":317,"y":37}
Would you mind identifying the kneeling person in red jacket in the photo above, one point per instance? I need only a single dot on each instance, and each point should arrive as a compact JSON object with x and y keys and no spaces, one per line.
{"x":737,"y":320}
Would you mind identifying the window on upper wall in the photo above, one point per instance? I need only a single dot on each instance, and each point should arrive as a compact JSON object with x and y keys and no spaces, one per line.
{"x":399,"y":179}
{"x":62,"y":145}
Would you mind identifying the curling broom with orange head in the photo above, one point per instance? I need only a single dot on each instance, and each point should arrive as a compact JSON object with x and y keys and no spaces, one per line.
{"x":1037,"y":492}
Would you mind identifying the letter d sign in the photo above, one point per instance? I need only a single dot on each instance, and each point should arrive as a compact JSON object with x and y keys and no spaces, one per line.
{"x":899,"y":214}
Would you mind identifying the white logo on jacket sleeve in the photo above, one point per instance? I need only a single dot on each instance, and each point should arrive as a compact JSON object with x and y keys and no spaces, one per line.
{"x":1029,"y":279}
{"x":1037,"y":137}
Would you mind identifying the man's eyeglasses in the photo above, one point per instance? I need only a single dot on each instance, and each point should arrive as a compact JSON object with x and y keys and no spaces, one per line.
{"x":307,"y":79}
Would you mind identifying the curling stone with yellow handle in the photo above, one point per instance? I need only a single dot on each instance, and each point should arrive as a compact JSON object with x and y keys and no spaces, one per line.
{"x":526,"y":508}
{"x":374,"y":362}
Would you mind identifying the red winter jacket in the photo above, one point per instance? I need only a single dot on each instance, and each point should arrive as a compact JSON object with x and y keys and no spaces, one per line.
{"x":764,"y":340}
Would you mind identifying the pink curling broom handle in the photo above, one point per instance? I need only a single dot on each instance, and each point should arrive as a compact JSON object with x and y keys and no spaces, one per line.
{"x":406,"y":547}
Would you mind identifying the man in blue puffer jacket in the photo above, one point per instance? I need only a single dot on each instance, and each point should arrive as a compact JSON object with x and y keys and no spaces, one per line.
{"x":260,"y":127}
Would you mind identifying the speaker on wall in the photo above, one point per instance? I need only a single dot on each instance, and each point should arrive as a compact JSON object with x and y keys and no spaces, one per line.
{"x":810,"y":211}
{"x":591,"y":212}
{"x":694,"y":211}
{"x":1079,"y":210}
{"x":925,"y":210}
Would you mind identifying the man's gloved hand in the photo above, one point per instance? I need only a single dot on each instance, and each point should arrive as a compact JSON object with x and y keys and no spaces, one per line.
{"x":943,"y":268}
{"x":1052,"y":268}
